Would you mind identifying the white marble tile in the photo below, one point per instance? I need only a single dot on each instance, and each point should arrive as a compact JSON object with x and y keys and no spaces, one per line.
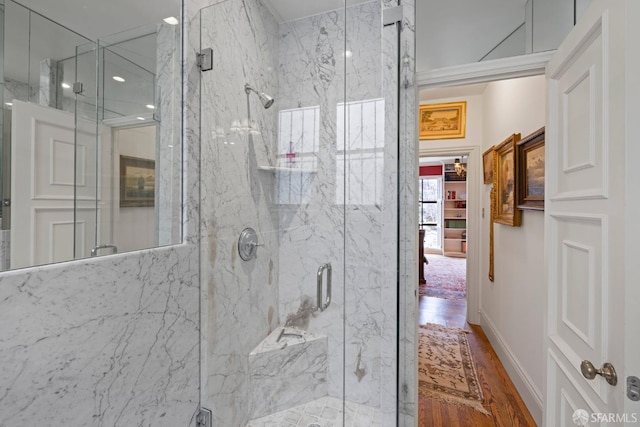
{"x":287,"y":370}
{"x":242,"y":295}
{"x":167,"y":113}
{"x":326,"y":412}
{"x":110,"y":341}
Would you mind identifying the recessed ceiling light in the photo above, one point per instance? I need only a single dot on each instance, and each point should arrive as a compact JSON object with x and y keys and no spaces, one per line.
{"x":66,"y":85}
{"x":118,"y":79}
{"x":140,"y":118}
{"x":171,"y":20}
{"x":8,"y":104}
{"x":151,"y":106}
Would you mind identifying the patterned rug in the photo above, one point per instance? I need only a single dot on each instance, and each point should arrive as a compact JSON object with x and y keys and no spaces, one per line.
{"x":446,"y":370}
{"x":446,"y":277}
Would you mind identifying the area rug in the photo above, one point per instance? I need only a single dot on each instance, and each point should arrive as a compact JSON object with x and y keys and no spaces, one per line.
{"x":446,"y":370}
{"x":446,"y":277}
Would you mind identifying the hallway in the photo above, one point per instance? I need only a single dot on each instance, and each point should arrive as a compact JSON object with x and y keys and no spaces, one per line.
{"x":501,"y":398}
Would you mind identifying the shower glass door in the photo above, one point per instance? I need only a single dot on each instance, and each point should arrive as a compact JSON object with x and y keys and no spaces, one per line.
{"x":300,"y":316}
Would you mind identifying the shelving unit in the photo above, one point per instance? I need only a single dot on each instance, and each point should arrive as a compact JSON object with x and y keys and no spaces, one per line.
{"x":455,"y":213}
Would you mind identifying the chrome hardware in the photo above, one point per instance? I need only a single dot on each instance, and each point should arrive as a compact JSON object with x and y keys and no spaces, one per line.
{"x":392,"y":15}
{"x":248,"y":244}
{"x":94,"y":251}
{"x":287,"y":334}
{"x":78,"y":88}
{"x":205,"y":59}
{"x":322,"y":305}
{"x":6,"y":202}
{"x":203,"y":419}
{"x":633,"y":388}
{"x":607,"y":371}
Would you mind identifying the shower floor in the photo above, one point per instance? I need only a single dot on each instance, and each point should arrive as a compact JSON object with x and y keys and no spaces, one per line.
{"x":323,"y":412}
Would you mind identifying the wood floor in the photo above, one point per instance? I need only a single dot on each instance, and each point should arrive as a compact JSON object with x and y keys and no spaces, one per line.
{"x":501,"y":398}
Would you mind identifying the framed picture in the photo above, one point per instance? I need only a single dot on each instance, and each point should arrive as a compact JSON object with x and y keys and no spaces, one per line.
{"x":505,"y":182}
{"x":137,"y":182}
{"x":443,"y":121}
{"x":487,"y":165}
{"x":531,"y":171}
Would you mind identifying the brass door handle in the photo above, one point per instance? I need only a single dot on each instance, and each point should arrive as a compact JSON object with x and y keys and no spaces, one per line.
{"x":607,"y":371}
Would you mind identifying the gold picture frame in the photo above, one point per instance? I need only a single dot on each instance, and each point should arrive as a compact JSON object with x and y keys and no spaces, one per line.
{"x":137,"y":182}
{"x":505,"y":182}
{"x":531,"y":171}
{"x":487,"y":165}
{"x":443,"y":121}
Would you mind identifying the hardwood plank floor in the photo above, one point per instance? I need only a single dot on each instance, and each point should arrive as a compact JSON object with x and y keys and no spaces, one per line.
{"x":501,"y":398}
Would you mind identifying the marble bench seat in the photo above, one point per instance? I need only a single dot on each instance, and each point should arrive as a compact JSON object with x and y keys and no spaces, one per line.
{"x":288,"y":372}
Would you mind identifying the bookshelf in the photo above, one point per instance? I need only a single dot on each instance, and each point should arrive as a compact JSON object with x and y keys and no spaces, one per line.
{"x":455,"y":213}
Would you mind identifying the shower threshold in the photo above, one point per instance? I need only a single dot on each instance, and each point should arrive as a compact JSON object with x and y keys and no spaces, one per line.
{"x":323,"y":412}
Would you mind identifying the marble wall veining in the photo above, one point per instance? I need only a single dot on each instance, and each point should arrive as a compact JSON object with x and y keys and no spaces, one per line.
{"x":237,"y":139}
{"x":167,"y":112}
{"x":108,"y":341}
{"x":326,"y":60}
{"x":303,"y":63}
{"x":112,"y":341}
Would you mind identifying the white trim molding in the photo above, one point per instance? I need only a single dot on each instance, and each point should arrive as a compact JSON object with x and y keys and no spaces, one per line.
{"x":485,"y":71}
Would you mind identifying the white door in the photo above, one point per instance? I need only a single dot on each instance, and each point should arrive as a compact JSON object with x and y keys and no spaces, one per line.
{"x":42,"y":187}
{"x":586,"y":226}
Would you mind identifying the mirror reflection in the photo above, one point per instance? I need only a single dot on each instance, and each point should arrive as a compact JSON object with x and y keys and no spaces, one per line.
{"x":91,"y":148}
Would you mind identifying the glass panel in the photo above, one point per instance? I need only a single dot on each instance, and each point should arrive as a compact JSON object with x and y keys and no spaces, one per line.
{"x":315,"y":175}
{"x":66,"y":190}
{"x":87,"y":191}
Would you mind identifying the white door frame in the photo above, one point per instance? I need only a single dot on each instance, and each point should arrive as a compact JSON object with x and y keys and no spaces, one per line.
{"x":479,"y":72}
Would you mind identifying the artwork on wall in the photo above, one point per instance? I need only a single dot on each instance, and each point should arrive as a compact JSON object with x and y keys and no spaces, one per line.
{"x":487,"y":165}
{"x":531,"y":171}
{"x":137,"y":182}
{"x":505,"y":182}
{"x":443,"y":121}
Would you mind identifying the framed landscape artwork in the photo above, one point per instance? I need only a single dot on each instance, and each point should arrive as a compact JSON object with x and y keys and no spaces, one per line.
{"x":487,"y":165}
{"x":443,"y":121}
{"x":531,"y":171}
{"x":137,"y":182}
{"x":505,"y":182}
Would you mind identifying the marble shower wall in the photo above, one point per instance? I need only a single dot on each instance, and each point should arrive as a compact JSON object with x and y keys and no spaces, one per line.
{"x":168,"y":114}
{"x":312,"y":73}
{"x":112,"y":341}
{"x":242,"y":296}
{"x":108,"y":341}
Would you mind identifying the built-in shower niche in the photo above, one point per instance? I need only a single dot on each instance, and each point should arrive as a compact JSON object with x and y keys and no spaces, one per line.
{"x":287,"y":369}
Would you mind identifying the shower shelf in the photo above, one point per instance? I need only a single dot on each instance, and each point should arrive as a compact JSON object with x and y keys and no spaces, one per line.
{"x":281,"y":169}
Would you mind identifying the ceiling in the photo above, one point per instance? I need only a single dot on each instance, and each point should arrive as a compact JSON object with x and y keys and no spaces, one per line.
{"x":99,"y":18}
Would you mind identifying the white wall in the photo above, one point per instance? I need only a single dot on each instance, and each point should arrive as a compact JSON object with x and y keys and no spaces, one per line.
{"x":462,"y":31}
{"x":512,"y":306}
{"x":474,"y":124}
{"x":133,"y":227}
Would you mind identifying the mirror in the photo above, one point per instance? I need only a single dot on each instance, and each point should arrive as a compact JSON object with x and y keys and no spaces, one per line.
{"x":91,"y":148}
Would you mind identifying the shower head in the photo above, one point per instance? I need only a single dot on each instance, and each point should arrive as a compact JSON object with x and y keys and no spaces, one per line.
{"x":265,"y":99}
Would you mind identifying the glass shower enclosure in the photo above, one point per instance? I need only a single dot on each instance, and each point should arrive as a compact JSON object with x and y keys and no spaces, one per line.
{"x":299,"y":213}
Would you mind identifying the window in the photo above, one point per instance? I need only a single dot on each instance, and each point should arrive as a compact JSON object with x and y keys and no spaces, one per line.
{"x":430,"y":210}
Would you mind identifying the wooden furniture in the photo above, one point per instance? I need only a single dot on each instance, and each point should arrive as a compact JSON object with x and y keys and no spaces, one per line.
{"x":421,"y":257}
{"x":455,"y":212}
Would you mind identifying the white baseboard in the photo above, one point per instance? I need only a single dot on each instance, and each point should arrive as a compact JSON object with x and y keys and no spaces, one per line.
{"x":523,"y":383}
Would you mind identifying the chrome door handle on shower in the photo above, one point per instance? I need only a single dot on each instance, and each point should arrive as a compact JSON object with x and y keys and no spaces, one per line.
{"x":322,"y":305}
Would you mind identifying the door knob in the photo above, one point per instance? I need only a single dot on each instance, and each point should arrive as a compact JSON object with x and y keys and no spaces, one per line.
{"x":589,"y":372}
